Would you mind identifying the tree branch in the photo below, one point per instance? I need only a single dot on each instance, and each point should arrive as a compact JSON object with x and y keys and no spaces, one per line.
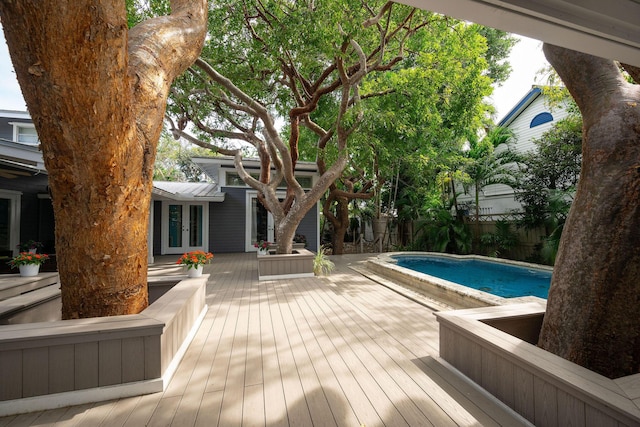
{"x":587,"y":78}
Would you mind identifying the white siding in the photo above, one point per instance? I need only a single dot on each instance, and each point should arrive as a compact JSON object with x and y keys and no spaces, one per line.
{"x":498,"y":198}
{"x":521,"y":125}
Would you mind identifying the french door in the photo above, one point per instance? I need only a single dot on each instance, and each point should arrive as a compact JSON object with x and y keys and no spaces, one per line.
{"x":9,"y":221}
{"x":185,"y":227}
{"x":260,"y":224}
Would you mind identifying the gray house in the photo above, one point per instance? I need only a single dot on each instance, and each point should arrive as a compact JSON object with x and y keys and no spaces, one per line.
{"x":221,"y":215}
{"x":25,"y":206}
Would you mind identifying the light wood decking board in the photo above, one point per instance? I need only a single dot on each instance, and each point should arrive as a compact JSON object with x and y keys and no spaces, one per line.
{"x":341,"y":350}
{"x":371,"y":355}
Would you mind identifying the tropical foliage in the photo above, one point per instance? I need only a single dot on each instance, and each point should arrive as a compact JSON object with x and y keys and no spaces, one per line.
{"x":322,"y":265}
{"x":499,"y":242}
{"x":490,"y":161}
{"x":558,"y":206}
{"x":549,"y":171}
{"x":440,"y":231}
{"x":380,"y":77}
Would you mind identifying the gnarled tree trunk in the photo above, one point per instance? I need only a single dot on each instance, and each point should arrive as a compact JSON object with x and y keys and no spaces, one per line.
{"x":339,"y":220}
{"x":592,"y":311}
{"x":96,"y":92}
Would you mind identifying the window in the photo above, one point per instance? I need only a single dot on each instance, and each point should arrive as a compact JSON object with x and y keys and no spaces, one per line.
{"x":25,"y":133}
{"x":233,"y":180}
{"x":541,"y":119}
{"x":305,"y":181}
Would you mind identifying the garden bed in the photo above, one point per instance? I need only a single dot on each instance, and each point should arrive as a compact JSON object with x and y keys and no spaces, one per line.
{"x":272,"y":265}
{"x":60,"y":363}
{"x":493,"y":346}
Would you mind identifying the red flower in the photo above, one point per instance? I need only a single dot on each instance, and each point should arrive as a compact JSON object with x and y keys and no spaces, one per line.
{"x":195,"y":258}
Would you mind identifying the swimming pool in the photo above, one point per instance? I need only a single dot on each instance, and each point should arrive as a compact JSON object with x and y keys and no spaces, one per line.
{"x":464,"y":281}
{"x":503,"y":280}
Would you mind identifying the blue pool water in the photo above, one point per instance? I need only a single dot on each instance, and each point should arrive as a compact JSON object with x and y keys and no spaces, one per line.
{"x":496,"y":278}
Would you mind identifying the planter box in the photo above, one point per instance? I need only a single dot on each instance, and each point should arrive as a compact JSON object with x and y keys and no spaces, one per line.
{"x":274,"y":247}
{"x":493,"y":347}
{"x":281,"y":266}
{"x":69,"y":362}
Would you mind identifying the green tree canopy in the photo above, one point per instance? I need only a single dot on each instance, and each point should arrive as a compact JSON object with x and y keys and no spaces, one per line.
{"x":279,"y":75}
{"x":173,"y":161}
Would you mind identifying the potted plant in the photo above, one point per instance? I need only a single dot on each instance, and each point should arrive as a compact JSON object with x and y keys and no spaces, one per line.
{"x":28,"y":263}
{"x":263,"y":246}
{"x":322,"y":265}
{"x":195,"y":261}
{"x":30,"y":246}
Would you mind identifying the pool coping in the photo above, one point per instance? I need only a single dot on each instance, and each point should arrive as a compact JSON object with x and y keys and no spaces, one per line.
{"x":450,"y":293}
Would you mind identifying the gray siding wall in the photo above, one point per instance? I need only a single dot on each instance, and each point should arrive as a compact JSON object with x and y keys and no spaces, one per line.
{"x":309,"y":227}
{"x":227,"y":223}
{"x":6,"y":130}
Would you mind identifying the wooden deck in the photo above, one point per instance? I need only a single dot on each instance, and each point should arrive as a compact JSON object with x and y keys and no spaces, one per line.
{"x":340,"y":350}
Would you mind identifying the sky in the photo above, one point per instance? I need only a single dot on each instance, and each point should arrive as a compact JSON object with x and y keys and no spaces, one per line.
{"x":10,"y":94}
{"x":526,"y":60}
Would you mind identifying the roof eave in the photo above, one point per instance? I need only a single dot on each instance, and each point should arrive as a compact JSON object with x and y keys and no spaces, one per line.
{"x":520,"y":106}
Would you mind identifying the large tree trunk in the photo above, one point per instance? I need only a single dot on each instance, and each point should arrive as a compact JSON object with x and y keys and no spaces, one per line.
{"x":339,"y":221}
{"x":97,"y":93}
{"x":592,"y":311}
{"x":285,"y":231}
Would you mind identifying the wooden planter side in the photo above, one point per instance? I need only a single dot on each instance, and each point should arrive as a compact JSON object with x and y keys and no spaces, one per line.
{"x":51,"y":364}
{"x":542,"y":387}
{"x":279,"y":266}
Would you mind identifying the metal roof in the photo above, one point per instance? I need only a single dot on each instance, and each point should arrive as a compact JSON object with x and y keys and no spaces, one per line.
{"x":520,"y":106}
{"x":187,"y":191}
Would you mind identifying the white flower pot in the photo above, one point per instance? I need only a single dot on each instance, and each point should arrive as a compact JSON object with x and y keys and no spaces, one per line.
{"x":195,"y":271}
{"x":263,"y":251}
{"x":29,"y":270}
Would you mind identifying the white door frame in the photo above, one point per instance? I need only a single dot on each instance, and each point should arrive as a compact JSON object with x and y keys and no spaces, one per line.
{"x":248,"y":242}
{"x":166,"y":249}
{"x":14,"y":198}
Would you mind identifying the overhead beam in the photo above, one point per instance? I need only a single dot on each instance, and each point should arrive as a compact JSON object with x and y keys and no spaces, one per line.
{"x":609,"y":29}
